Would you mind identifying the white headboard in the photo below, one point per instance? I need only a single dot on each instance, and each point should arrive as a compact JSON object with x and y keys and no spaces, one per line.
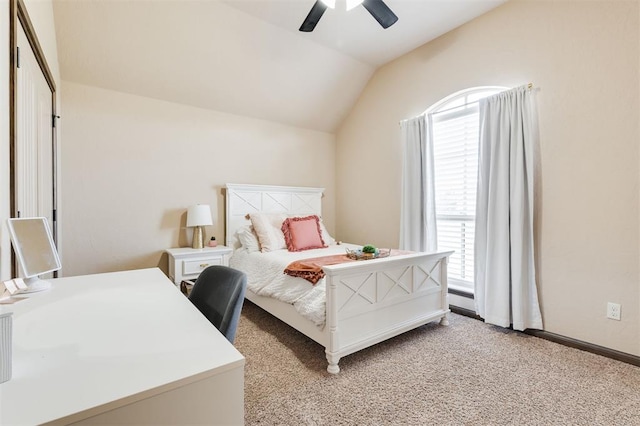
{"x":244,"y":199}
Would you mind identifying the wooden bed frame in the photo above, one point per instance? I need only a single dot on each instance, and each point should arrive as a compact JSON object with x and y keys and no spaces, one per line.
{"x":368,"y":301}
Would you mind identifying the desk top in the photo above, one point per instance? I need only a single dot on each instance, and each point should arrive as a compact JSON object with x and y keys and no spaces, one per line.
{"x":97,"y":342}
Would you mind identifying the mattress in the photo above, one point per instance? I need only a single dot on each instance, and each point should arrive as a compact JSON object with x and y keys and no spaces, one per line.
{"x":266,"y":277}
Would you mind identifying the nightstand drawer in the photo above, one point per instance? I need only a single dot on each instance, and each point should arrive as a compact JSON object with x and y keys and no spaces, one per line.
{"x":196,"y":266}
{"x":186,"y":263}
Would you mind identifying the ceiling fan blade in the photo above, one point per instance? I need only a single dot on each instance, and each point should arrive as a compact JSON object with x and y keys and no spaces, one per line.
{"x":313,"y":17}
{"x":379,"y":10}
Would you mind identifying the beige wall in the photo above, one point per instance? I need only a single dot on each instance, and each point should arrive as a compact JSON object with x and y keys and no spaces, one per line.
{"x":132,"y":166}
{"x":584,"y":59}
{"x":41,"y":16}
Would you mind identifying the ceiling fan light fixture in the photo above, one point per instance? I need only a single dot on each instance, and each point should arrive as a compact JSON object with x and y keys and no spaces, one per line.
{"x":330,"y":3}
{"x":377,"y":8}
{"x":353,"y":3}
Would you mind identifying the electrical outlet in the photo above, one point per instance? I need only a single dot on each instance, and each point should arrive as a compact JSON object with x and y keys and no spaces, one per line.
{"x":613,"y":311}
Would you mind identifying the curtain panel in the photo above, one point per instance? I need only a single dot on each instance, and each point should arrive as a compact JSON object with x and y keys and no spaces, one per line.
{"x":418,"y":206}
{"x":505,"y":277}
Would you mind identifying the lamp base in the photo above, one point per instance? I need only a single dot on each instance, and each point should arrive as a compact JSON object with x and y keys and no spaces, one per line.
{"x":198,"y":238}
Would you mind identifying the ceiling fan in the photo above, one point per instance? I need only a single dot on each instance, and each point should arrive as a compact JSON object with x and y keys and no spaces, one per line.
{"x":377,"y":8}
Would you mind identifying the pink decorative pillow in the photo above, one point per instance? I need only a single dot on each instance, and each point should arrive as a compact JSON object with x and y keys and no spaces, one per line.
{"x":302,"y":233}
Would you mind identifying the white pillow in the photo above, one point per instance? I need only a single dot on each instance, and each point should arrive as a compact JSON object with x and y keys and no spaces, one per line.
{"x":268,"y":228}
{"x":248,"y":238}
{"x":326,"y":237}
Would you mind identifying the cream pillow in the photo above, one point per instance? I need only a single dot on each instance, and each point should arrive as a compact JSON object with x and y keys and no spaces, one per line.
{"x":268,"y":229}
{"x":248,"y":239}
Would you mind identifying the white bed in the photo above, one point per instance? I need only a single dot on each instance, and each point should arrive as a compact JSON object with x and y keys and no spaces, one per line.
{"x":366,"y":301}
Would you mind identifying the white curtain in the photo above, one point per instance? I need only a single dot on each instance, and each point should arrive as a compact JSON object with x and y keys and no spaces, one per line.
{"x":418,"y":208}
{"x":505,"y":277}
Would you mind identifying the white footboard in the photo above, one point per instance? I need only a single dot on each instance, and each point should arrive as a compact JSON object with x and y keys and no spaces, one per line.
{"x":374,"y":300}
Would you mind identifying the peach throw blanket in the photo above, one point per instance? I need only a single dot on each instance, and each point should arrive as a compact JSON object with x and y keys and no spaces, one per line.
{"x":311,"y":269}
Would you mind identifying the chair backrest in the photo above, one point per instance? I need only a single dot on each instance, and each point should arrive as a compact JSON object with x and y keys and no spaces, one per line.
{"x":219,"y":293}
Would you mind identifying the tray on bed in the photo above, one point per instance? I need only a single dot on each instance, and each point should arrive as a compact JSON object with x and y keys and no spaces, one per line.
{"x":359,"y":255}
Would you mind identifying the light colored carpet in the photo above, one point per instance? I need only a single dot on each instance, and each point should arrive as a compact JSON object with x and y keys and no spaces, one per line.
{"x":468,"y":373}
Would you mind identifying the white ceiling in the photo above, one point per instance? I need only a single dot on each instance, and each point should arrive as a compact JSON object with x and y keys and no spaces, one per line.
{"x":244,"y":57}
{"x":357,"y":34}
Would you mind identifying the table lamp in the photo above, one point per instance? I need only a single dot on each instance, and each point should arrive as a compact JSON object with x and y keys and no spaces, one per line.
{"x":197,"y":217}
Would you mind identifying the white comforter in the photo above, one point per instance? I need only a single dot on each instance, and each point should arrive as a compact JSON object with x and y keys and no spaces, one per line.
{"x":266,"y":277}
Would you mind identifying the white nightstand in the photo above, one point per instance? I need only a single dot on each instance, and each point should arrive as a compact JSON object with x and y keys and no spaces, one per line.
{"x":187,"y":263}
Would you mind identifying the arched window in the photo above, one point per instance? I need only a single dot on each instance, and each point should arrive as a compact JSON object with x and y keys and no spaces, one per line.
{"x":455,"y":123}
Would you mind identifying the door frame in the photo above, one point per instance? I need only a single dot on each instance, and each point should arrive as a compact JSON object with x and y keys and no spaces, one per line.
{"x":18,"y":16}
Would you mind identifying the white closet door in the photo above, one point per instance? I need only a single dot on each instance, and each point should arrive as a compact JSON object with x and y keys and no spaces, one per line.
{"x":34,"y":143}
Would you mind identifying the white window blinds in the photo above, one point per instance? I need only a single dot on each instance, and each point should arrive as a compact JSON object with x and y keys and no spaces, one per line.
{"x":455,"y":134}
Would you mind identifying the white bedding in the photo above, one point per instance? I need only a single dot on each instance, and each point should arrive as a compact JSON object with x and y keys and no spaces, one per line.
{"x":266,"y":277}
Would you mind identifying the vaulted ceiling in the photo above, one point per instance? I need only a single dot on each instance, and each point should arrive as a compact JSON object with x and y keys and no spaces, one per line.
{"x":244,"y":57}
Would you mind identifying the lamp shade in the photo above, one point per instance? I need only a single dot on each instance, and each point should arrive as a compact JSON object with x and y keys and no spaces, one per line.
{"x":199,"y":215}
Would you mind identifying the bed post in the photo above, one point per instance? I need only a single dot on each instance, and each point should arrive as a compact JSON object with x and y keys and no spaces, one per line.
{"x":332,"y":325}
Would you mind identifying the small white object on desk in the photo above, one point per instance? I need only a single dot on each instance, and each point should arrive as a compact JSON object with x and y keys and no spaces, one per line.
{"x":8,"y":289}
{"x":10,"y":286}
{"x":186,"y":263}
{"x":20,"y":284}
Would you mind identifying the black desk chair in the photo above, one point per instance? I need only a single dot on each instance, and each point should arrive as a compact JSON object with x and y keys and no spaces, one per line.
{"x":219,"y":293}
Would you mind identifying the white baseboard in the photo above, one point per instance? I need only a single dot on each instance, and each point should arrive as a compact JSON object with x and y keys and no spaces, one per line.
{"x":461,"y":302}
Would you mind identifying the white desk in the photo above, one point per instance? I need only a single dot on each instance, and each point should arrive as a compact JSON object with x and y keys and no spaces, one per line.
{"x":123,"y":347}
